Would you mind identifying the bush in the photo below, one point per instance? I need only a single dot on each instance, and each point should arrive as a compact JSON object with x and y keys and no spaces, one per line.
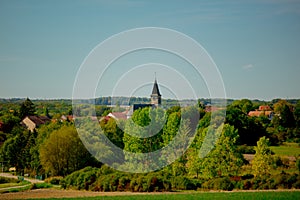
{"x":182,"y":183}
{"x":223,"y":184}
{"x":81,"y":179}
{"x":40,"y":185}
{"x":247,"y":176}
{"x":55,"y":180}
{"x":8,"y":180}
{"x":244,"y":149}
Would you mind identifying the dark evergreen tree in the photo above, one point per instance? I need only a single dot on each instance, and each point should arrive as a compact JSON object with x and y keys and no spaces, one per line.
{"x":27,"y":108}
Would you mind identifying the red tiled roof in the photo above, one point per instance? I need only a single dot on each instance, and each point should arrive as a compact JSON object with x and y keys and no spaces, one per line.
{"x":258,"y":113}
{"x":265,"y":107}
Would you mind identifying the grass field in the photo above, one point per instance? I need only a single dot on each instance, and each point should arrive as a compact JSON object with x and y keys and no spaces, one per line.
{"x":288,"y":149}
{"x":274,"y":195}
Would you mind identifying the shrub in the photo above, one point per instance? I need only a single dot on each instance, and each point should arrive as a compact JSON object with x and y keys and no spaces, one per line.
{"x":223,"y":184}
{"x":40,"y":185}
{"x":8,"y":180}
{"x":182,"y":183}
{"x":55,"y":180}
{"x":244,"y":149}
{"x":81,"y":179}
{"x":247,"y":176}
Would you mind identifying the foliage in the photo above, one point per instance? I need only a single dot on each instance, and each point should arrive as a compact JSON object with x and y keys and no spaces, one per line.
{"x":27,"y":108}
{"x":284,"y":116}
{"x":262,"y":161}
{"x":223,"y":159}
{"x":8,"y":180}
{"x":63,"y":152}
{"x":54,"y":180}
{"x":16,"y":149}
{"x":35,"y":186}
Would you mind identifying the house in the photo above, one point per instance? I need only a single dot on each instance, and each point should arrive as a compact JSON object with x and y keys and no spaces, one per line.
{"x":66,"y":118}
{"x":210,"y":108}
{"x":32,"y":122}
{"x":118,"y":115}
{"x":264,"y":110}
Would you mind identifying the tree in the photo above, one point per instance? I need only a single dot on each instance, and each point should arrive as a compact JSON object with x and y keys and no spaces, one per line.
{"x":283,"y":114}
{"x":27,"y":108}
{"x":46,"y":112}
{"x":171,"y":127}
{"x":113,"y":132}
{"x":249,"y":129}
{"x":16,"y":149}
{"x":245,"y":105}
{"x":63,"y":152}
{"x":223,"y":159}
{"x":261,"y":164}
{"x":297,"y":114}
{"x":9,"y":122}
{"x":142,"y":135}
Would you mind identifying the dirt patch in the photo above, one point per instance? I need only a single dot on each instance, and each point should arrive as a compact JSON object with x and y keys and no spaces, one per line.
{"x":55,"y":193}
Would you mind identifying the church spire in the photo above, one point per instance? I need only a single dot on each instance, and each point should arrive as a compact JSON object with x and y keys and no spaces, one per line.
{"x":155,"y":96}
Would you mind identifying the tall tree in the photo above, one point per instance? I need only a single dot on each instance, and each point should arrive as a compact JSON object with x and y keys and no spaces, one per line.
{"x":27,"y":108}
{"x":261,"y":164}
{"x":224,"y":158}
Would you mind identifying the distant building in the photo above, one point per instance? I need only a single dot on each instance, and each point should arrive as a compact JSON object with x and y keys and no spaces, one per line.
{"x":32,"y":122}
{"x":67,"y":118}
{"x":264,"y":110}
{"x":155,"y":96}
{"x":117,"y":115}
{"x":155,"y":100}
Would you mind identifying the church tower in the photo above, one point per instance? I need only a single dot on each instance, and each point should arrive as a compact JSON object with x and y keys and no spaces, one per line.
{"x":155,"y":96}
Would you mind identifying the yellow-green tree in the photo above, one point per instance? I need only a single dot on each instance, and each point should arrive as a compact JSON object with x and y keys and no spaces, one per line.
{"x":63,"y":152}
{"x":261,"y":164}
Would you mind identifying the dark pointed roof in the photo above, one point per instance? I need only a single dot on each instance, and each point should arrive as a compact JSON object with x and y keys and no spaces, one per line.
{"x":155,"y":90}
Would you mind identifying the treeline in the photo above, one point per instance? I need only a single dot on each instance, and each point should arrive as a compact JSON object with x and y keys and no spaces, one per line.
{"x":213,"y":159}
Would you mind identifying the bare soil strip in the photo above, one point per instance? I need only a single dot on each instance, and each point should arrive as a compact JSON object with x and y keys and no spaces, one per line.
{"x":55,"y":193}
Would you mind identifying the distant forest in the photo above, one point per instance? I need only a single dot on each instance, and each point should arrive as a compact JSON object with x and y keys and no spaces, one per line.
{"x":132,"y":100}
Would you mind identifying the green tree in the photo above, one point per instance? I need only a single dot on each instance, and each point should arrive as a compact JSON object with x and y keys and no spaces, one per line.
{"x":63,"y":152}
{"x":297,"y":114}
{"x":171,"y":128}
{"x":245,"y":105}
{"x":249,"y":128}
{"x":113,"y":132}
{"x":143,"y":134}
{"x":27,"y":108}
{"x":283,"y":114}
{"x":46,"y":112}
{"x":42,"y":134}
{"x":223,"y":159}
{"x":9,"y":122}
{"x":261,"y":164}
{"x":16,"y":149}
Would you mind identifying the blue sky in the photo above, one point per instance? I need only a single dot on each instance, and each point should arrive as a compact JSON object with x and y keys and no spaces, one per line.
{"x":255,"y":44}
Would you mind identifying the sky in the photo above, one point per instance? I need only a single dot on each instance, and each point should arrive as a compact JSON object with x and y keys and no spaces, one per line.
{"x":255,"y":46}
